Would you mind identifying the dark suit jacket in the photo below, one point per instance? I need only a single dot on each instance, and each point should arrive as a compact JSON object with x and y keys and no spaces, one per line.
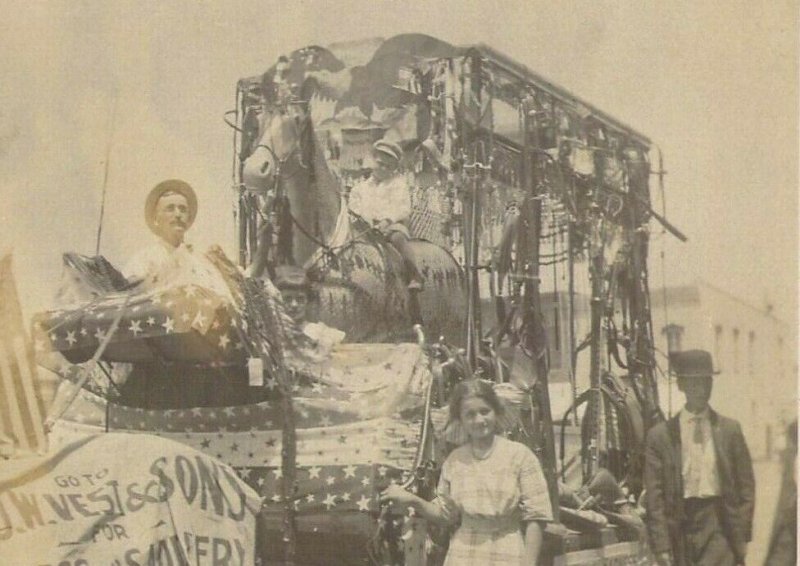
{"x":664,"y":484}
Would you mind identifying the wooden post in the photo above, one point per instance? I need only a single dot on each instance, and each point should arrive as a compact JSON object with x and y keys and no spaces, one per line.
{"x":288,"y":444}
{"x":269,"y":330}
{"x":472,"y":221}
{"x":528,"y":254}
{"x":573,"y":361}
{"x":289,"y":470}
{"x":595,"y":407}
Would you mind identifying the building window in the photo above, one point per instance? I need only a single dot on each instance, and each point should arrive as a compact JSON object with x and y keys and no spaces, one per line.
{"x":718,"y":345}
{"x":673,"y":332}
{"x":751,"y":353}
{"x":735,"y":350}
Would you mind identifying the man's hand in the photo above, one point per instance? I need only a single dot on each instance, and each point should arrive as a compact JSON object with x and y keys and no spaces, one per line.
{"x":664,"y":559}
{"x":383,"y":224}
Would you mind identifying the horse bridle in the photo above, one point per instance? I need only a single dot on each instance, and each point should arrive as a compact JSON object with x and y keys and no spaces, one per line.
{"x":279,"y":163}
{"x":278,"y":175}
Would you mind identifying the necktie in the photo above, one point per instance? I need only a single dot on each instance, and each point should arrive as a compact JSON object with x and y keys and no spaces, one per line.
{"x":697,"y":434}
{"x":695,"y":456}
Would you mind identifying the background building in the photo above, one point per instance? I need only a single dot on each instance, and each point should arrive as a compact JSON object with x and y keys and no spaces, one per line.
{"x":752,"y":348}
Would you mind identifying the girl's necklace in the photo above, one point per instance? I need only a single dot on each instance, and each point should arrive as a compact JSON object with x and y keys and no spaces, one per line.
{"x":486,"y":454}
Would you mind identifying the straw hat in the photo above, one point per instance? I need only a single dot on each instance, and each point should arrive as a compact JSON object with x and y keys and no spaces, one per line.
{"x":169,"y":186}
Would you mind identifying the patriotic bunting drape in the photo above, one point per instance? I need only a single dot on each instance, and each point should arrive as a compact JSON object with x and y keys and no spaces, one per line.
{"x":358,"y":429}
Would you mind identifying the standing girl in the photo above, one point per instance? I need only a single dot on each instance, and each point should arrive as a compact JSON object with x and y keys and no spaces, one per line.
{"x":491,"y":488}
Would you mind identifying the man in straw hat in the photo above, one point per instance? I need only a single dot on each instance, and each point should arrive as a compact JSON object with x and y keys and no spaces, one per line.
{"x":385,"y":201}
{"x":170,"y":210}
{"x":698,"y":476}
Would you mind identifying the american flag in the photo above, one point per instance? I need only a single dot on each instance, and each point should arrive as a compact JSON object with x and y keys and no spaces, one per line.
{"x":203,"y":321}
{"x":22,"y":407}
{"x":357,"y":412}
{"x":172,"y":323}
{"x":354,"y":436}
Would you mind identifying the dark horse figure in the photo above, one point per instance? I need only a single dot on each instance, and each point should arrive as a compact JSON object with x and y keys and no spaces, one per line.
{"x":361,"y":276}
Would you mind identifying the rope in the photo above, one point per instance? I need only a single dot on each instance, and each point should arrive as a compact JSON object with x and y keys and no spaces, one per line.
{"x":56,"y":414}
{"x":352,"y":241}
{"x":308,"y":235}
{"x":664,"y":271}
{"x":231,"y":124}
{"x":105,"y":177}
{"x":424,"y":431}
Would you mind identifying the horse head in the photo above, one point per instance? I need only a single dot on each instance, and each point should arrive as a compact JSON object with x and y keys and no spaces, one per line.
{"x":280,"y":170}
{"x":279,"y":140}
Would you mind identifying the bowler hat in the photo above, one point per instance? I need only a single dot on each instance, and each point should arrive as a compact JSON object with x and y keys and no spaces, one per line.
{"x":169,"y":186}
{"x":291,"y":277}
{"x":692,"y":363}
{"x":388,"y":148}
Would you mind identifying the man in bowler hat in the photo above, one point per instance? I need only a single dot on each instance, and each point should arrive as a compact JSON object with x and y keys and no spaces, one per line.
{"x":698,"y":477}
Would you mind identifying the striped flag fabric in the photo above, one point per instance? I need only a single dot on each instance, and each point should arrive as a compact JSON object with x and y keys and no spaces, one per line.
{"x":22,"y":406}
{"x":358,"y":426}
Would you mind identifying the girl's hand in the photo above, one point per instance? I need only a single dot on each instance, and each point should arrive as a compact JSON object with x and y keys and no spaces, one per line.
{"x":450,"y":510}
{"x":396,"y":494}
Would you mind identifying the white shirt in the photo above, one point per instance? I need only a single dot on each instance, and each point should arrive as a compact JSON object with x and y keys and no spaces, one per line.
{"x":324,"y":337}
{"x":375,"y":201}
{"x":162,"y":265}
{"x":699,"y":469}
{"x":312,"y":356}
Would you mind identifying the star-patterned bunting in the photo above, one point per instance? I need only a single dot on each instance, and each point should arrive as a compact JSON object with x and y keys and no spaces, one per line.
{"x":324,"y":488}
{"x":187,"y":310}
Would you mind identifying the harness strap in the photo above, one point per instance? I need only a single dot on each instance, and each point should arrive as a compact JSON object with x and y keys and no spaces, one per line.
{"x":308,"y":235}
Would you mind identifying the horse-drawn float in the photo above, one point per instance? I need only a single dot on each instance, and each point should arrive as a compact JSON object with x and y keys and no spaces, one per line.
{"x":516,"y":185}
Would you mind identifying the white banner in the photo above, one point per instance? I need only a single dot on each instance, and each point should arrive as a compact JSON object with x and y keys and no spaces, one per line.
{"x":125,"y":500}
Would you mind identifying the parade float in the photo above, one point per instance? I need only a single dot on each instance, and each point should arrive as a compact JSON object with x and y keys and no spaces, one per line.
{"x":513,"y":179}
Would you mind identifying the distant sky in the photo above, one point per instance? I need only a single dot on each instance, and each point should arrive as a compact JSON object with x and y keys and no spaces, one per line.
{"x":713,"y":84}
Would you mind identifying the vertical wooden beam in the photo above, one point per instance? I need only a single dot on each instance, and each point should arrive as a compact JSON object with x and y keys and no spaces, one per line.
{"x":595,"y":407}
{"x":289,"y":472}
{"x":530,"y":236}
{"x":472,"y":221}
